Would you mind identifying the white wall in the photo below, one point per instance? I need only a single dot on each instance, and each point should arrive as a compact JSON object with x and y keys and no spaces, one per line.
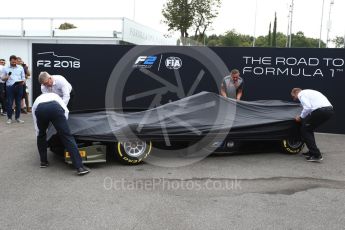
{"x":17,"y":47}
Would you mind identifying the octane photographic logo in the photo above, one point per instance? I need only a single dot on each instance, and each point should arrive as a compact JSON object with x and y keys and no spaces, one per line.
{"x":165,"y":152}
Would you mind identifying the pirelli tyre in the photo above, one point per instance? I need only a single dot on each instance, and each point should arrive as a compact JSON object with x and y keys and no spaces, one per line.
{"x":292,"y":146}
{"x":133,"y":152}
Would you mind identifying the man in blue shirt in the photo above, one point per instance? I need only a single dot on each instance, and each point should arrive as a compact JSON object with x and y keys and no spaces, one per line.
{"x":15,"y":78}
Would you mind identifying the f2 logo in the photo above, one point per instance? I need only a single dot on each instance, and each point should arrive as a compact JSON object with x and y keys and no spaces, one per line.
{"x":146,"y":60}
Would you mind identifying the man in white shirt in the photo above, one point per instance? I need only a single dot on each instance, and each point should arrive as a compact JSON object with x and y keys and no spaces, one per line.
{"x":56,"y":84}
{"x":316,"y":110}
{"x":49,"y":108}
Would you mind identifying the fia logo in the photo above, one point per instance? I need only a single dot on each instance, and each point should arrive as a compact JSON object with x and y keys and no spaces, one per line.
{"x":173,"y":62}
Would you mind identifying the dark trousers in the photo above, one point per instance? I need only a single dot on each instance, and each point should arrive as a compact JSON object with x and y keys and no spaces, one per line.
{"x":310,"y":123}
{"x":25,"y":96}
{"x":52,"y":112}
{"x":3,"y":97}
{"x":71,"y":100}
{"x":14,"y":93}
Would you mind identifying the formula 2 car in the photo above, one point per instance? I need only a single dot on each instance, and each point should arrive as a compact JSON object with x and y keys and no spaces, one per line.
{"x":206,"y":120}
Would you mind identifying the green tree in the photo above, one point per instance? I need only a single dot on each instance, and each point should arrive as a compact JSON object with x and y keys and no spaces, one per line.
{"x":183,"y":15}
{"x":66,"y":26}
{"x":213,"y":40}
{"x":246,"y":40}
{"x":281,"y":39}
{"x":269,"y":36}
{"x":274,"y":34}
{"x":232,"y":38}
{"x":339,"y":42}
{"x":261,"y":41}
{"x":301,"y":41}
{"x":178,"y":15}
{"x":205,"y":12}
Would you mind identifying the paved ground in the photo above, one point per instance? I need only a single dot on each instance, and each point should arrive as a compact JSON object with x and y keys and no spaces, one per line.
{"x":251,"y":191}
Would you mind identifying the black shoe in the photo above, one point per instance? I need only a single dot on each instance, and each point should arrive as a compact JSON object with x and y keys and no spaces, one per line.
{"x":314,"y":158}
{"x":82,"y":171}
{"x":44,"y":164}
{"x":307,"y":154}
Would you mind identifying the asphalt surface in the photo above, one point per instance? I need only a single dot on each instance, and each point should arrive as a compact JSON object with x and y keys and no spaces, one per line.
{"x":243,"y":191}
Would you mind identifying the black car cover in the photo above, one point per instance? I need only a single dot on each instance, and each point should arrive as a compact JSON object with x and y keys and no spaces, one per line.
{"x":200,"y":115}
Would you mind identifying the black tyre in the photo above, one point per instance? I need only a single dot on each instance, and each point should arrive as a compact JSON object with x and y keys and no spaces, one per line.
{"x":133,"y":152}
{"x":292,"y":146}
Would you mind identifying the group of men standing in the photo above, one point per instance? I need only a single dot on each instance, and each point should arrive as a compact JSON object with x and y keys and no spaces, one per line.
{"x":13,"y":88}
{"x":51,"y":107}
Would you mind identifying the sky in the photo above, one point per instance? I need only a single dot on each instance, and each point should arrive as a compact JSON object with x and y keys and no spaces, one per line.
{"x":233,"y":14}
